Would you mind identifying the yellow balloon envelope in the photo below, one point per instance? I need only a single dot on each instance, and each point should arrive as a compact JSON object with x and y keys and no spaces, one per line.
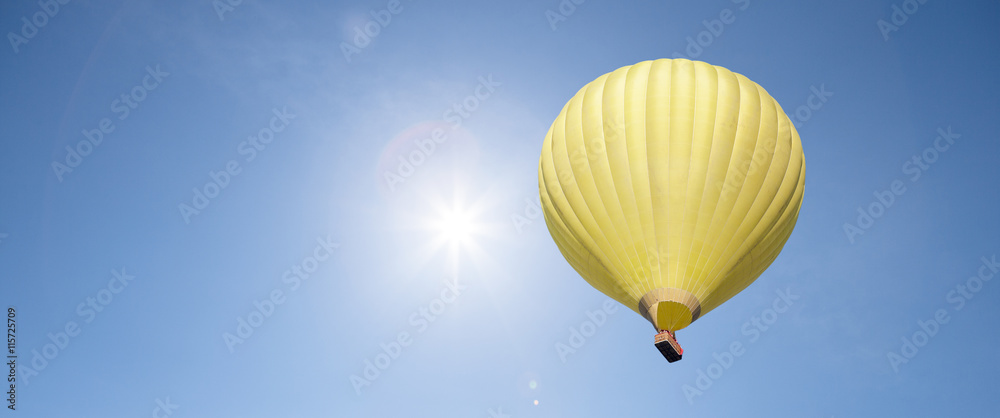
{"x":671,"y":185}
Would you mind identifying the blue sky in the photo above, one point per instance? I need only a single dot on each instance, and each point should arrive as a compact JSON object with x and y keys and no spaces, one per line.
{"x":306,"y":130}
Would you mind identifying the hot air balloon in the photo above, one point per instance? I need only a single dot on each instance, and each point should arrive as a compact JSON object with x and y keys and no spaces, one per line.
{"x":670,"y":186}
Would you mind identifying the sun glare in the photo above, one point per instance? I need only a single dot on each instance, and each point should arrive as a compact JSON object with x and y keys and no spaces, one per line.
{"x":456,"y":227}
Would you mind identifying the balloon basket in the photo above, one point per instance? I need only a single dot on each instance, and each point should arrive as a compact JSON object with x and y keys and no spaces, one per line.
{"x":666,"y":342}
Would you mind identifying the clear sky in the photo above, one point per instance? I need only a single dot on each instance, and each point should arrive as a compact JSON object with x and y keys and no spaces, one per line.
{"x":239,"y":236}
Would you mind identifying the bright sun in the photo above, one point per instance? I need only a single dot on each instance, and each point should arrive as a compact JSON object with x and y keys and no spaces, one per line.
{"x":456,"y":227}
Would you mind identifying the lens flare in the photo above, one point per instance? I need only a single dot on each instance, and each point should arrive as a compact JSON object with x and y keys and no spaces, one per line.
{"x":418,"y":152}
